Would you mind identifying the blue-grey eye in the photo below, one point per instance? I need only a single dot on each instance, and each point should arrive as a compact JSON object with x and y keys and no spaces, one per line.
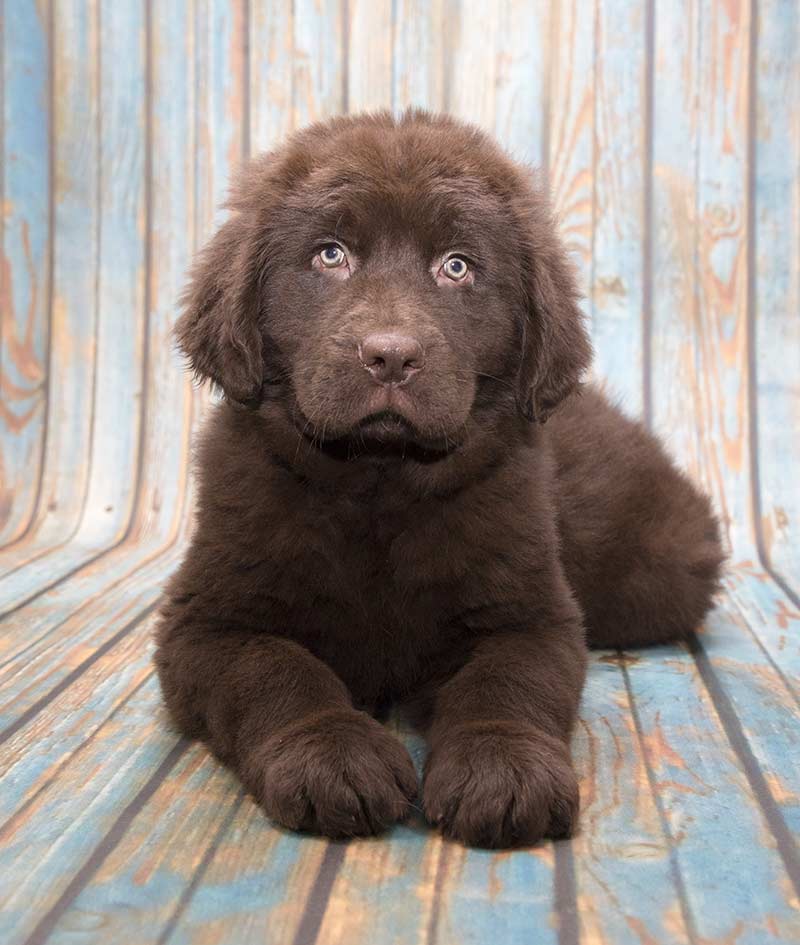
{"x":455,"y":268}
{"x":332,"y":256}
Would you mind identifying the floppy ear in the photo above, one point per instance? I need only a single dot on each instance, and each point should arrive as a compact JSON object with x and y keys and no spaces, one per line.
{"x":219,"y":329}
{"x":556,"y":346}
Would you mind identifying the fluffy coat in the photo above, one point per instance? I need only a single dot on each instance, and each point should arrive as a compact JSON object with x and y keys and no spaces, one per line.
{"x":402,"y":527}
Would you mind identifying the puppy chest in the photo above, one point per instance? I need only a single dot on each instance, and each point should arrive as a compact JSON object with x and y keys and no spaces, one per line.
{"x":354,"y":611}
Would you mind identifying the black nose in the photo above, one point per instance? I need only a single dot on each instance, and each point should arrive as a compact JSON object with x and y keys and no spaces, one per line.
{"x":391,"y":358}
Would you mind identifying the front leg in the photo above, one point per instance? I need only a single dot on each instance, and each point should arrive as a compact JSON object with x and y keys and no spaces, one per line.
{"x":499,"y":771}
{"x":284,"y":722}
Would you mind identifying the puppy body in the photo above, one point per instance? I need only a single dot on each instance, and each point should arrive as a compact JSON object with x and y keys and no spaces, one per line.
{"x":364,"y":541}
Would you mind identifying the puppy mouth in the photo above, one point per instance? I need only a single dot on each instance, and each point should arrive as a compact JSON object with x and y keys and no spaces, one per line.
{"x":382,"y":435}
{"x":386,"y":426}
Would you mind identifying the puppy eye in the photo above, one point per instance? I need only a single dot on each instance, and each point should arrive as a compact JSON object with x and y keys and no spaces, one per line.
{"x":332,"y":256}
{"x":455,"y":268}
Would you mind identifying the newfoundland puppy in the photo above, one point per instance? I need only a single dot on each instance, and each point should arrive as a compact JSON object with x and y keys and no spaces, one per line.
{"x":384,"y":517}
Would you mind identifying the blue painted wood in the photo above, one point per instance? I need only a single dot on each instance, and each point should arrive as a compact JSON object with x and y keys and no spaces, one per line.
{"x":270,"y":52}
{"x":111,"y":828}
{"x":24,"y":264}
{"x":419,"y":61}
{"x":734,"y":881}
{"x":619,"y":276}
{"x":318,"y":73}
{"x":625,"y":878}
{"x":777,"y":285}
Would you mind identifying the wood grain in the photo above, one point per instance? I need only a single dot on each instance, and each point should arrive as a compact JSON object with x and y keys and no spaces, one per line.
{"x":669,"y":135}
{"x":775,"y":297}
{"x":618,"y":273}
{"x":25,"y":187}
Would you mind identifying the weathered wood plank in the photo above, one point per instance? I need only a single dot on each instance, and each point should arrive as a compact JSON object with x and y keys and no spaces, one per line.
{"x":169,"y":397}
{"x":776,"y":277}
{"x":369,"y":55}
{"x":734,"y":880}
{"x":46,"y":666}
{"x":256,"y":884}
{"x":419,"y":58}
{"x":319,"y":79}
{"x":772,"y":615}
{"x":24,"y":261}
{"x":763,"y":698}
{"x":569,"y":157}
{"x":57,"y":839}
{"x":522,"y":78}
{"x":221,"y":99}
{"x":119,"y":273}
{"x":618,"y":267}
{"x":114,"y":277}
{"x":700,"y":364}
{"x":680,"y":754}
{"x":73,"y":310}
{"x":271,"y":37}
{"x":471,"y":62}
{"x":626,"y":884}
{"x":496,"y":72}
{"x":34,"y":754}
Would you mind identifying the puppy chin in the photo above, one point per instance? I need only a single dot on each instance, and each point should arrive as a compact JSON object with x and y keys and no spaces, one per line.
{"x":386,"y":427}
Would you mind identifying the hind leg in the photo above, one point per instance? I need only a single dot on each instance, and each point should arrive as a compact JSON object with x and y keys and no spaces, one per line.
{"x":640,"y":543}
{"x":662,"y":592}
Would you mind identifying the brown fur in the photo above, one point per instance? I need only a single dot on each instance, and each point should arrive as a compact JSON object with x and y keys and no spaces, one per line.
{"x":455,"y":553}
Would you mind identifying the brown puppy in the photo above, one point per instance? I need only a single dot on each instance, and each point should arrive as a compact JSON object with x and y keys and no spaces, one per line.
{"x":383,"y":516}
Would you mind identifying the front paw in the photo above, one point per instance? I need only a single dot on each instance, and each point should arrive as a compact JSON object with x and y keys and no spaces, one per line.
{"x":500,"y":784}
{"x":338,"y":773}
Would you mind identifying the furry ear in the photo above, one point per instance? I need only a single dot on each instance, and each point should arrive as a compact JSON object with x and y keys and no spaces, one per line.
{"x":556,"y":346}
{"x":219,"y":329}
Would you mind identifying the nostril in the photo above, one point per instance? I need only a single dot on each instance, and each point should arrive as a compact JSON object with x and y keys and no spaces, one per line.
{"x":391,"y":358}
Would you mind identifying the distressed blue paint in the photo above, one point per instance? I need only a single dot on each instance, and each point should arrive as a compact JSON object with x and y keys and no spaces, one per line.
{"x":777,"y":282}
{"x":623,"y":871}
{"x":735,"y":881}
{"x":318,"y":60}
{"x":563,"y":85}
{"x":616,"y":285}
{"x":24,"y":204}
{"x":418,"y":61}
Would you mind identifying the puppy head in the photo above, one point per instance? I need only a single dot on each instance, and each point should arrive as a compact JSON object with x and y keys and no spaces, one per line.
{"x":387,"y":285}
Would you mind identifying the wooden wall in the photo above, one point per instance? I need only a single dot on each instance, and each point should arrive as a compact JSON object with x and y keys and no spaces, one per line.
{"x":669,"y":131}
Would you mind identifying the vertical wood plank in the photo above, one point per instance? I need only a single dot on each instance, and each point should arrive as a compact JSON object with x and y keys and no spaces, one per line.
{"x":24,"y":259}
{"x":119,"y":274}
{"x":700,"y":782}
{"x":700,"y":346}
{"x":419,"y":59}
{"x":570,"y":136}
{"x":618,"y":266}
{"x":168,"y":398}
{"x":221,"y":98}
{"x":319,"y":80}
{"x":370,"y":51}
{"x":496,"y":71}
{"x":59,"y":839}
{"x":776,"y":288}
{"x":523,"y":58}
{"x":271,"y":96}
{"x":72,"y":343}
{"x":471,"y":61}
{"x":624,"y":871}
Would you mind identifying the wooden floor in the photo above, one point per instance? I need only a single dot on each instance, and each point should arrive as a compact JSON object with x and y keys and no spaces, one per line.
{"x":670,"y":135}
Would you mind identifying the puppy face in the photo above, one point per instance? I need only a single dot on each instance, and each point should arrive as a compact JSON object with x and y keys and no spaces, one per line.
{"x":387,"y":286}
